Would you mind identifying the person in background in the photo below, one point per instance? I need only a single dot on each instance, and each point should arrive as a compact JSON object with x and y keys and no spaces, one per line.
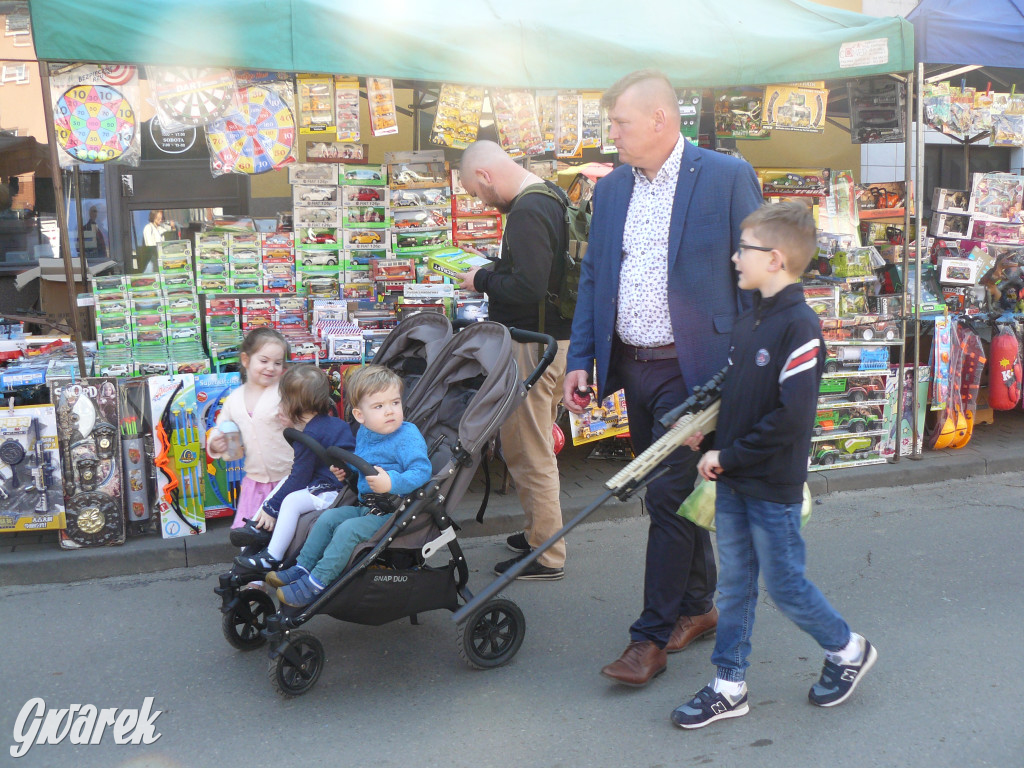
{"x":519,"y":291}
{"x":657,"y":301}
{"x":153,"y":233}
{"x":98,"y":249}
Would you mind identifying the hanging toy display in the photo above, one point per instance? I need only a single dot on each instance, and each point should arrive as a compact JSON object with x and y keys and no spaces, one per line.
{"x":93,"y":114}
{"x":259,"y":136}
{"x":1004,"y":370}
{"x":191,"y":96}
{"x":87,"y":410}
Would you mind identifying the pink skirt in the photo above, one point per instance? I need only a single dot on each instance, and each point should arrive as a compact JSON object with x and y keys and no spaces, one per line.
{"x":250,"y":499}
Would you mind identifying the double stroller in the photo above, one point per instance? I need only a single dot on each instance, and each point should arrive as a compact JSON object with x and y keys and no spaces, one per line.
{"x":459,"y":389}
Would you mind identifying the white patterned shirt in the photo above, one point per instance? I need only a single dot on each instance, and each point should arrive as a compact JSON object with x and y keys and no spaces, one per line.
{"x":643,"y":318}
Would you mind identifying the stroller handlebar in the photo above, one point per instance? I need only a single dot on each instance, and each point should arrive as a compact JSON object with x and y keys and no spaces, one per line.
{"x":332,"y":456}
{"x":550,"y":350}
{"x":347,"y":457}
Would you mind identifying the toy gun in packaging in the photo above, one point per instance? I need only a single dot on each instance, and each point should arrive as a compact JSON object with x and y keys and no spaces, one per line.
{"x":698,"y":413}
{"x":39,"y":466}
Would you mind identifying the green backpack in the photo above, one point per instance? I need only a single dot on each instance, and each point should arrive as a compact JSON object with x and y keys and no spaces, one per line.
{"x":564,"y":294}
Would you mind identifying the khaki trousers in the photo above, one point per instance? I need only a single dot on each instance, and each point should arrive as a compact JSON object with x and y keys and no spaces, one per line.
{"x":528,"y":448}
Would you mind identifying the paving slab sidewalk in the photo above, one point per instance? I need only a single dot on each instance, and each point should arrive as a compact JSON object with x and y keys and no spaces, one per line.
{"x":35,"y":558}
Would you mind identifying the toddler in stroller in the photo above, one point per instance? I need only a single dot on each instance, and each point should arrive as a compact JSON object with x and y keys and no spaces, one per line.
{"x":396,"y":450}
{"x":471,"y":384}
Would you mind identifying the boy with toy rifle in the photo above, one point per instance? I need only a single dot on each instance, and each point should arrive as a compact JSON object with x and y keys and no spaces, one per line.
{"x":759,"y":461}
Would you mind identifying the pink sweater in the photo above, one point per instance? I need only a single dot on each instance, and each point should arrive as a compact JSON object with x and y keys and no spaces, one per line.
{"x":268,"y":457}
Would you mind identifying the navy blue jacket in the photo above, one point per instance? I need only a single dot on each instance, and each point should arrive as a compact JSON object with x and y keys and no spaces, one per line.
{"x":769,"y":398}
{"x":307,"y":471}
{"x":715,"y":192}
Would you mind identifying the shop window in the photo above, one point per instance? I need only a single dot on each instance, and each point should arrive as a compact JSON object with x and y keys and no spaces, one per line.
{"x":14,"y":73}
{"x":17,"y":23}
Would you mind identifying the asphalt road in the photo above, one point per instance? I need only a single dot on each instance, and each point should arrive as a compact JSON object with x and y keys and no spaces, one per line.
{"x":931,"y":574}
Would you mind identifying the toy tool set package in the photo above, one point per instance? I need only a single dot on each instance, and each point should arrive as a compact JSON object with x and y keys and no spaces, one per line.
{"x":179,"y":436}
{"x":90,"y":454}
{"x":31,"y":494}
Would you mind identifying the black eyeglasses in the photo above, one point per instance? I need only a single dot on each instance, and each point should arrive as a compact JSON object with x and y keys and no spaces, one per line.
{"x":746,"y":247}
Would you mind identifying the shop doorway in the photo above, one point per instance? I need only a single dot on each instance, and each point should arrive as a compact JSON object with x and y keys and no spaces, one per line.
{"x":168,"y":199}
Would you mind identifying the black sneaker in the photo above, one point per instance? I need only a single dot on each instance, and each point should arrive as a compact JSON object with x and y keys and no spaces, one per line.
{"x":517,"y":542}
{"x":708,"y":706}
{"x":837,"y":681}
{"x":534,"y":571}
{"x":259,"y":563}
{"x":249,"y":535}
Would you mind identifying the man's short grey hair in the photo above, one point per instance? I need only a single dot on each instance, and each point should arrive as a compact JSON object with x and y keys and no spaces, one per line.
{"x":657,"y":82}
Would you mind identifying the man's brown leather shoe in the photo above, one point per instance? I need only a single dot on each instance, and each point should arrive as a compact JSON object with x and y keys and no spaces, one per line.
{"x":639,"y":663}
{"x":690,"y":628}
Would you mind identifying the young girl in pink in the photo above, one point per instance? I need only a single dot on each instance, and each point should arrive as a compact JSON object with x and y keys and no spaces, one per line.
{"x":254,"y":407}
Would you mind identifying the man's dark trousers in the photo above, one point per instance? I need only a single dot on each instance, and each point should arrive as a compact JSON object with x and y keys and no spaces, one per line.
{"x":680,"y":574}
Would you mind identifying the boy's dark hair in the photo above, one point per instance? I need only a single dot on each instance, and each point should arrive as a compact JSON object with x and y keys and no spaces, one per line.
{"x":304,"y":389}
{"x":256,"y":339}
{"x":789,"y":227}
{"x":369,"y":380}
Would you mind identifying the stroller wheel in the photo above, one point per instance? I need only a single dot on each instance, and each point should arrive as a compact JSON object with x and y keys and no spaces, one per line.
{"x":243,"y":624}
{"x":298,"y":667}
{"x":492,"y":635}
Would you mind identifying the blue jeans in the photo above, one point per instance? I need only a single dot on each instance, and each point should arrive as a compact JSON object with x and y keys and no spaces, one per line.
{"x":334,"y":536}
{"x":753,"y":534}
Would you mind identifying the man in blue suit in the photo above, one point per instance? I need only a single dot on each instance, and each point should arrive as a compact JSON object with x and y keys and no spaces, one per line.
{"x":657,"y":300}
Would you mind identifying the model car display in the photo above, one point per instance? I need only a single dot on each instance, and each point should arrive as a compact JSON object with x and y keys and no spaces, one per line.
{"x":309,"y":259}
{"x":362,"y":174}
{"x":319,"y":194}
{"x":319,"y":238}
{"x":364,"y":238}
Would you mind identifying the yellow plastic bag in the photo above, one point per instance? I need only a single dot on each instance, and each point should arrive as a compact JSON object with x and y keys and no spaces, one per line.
{"x":699,"y":506}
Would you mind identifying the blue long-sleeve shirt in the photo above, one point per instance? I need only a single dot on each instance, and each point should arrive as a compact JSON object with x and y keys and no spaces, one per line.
{"x":402,"y":454}
{"x":307,"y":470}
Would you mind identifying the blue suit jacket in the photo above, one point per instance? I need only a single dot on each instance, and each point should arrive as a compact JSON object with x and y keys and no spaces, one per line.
{"x":715,"y":192}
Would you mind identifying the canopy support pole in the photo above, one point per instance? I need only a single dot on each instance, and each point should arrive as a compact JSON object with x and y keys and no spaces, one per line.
{"x":908,"y":182}
{"x":918,"y":212}
{"x":62,"y":219}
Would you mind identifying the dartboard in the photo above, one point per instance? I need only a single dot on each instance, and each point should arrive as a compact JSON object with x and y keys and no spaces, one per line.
{"x":94,"y":123}
{"x":193,"y":96}
{"x":256,"y":138}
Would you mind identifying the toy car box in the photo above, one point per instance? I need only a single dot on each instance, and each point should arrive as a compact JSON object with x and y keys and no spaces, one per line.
{"x":451,"y":262}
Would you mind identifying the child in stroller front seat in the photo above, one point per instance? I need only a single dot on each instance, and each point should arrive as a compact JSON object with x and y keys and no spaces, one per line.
{"x":398,"y":452}
{"x":306,"y":405}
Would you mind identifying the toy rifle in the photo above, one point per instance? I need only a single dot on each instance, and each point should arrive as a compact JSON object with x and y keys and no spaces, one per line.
{"x":698,"y":413}
{"x":40,"y":467}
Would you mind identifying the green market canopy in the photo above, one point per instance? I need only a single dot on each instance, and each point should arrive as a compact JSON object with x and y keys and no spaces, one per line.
{"x":526,"y":43}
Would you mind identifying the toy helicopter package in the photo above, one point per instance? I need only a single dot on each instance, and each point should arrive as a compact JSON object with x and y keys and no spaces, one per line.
{"x":90,"y":455}
{"x":178,"y":443}
{"x":223,"y":482}
{"x":31,"y":495}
